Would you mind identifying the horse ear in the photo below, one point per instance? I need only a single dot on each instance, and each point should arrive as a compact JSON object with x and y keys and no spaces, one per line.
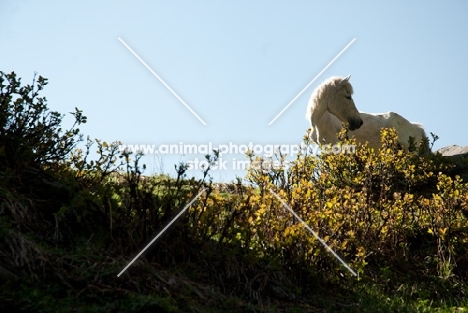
{"x":345,"y":79}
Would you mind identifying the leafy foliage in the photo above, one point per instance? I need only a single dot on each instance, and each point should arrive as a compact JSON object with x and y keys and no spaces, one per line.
{"x":370,"y":207}
{"x":30,"y":133}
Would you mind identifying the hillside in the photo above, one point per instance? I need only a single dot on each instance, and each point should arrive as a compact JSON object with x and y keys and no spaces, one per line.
{"x":69,"y":226}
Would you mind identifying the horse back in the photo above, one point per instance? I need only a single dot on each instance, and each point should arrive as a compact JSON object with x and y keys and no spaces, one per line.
{"x":408,"y":129}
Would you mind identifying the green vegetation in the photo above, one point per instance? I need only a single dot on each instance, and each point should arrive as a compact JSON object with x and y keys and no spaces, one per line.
{"x":69,"y":225}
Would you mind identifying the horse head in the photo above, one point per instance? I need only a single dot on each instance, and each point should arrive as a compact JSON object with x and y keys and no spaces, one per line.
{"x":341,"y":103}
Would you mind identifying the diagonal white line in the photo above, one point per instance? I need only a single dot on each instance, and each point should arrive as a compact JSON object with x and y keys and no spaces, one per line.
{"x":162,"y":231}
{"x":162,"y":81}
{"x":313,"y":80}
{"x":313,"y":233}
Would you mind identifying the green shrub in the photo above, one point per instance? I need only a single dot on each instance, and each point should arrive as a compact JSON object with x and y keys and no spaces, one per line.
{"x":31,"y":134}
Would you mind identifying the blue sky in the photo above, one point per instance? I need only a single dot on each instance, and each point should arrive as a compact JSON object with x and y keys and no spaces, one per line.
{"x":237,"y":64}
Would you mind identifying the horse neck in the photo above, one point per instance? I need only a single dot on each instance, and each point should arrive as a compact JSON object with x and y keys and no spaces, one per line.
{"x":317,"y":112}
{"x":330,"y":125}
{"x":326,"y":125}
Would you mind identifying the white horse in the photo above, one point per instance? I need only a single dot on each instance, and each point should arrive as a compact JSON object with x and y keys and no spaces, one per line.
{"x":331,"y":105}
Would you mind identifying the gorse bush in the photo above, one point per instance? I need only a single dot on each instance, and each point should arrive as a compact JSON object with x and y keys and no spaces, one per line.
{"x":375,"y":207}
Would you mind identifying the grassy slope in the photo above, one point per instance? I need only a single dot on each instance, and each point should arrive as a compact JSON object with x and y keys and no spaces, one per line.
{"x":81,"y":277}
